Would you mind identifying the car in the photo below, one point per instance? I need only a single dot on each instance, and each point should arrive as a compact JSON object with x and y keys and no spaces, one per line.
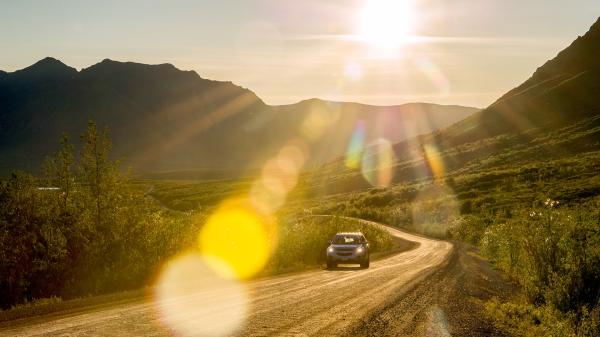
{"x":350,"y":247}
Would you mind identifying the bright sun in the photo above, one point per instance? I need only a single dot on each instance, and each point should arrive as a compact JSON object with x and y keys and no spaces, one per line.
{"x":386,"y":24}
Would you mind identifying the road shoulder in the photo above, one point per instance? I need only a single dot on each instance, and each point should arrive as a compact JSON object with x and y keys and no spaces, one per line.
{"x":449,"y":302}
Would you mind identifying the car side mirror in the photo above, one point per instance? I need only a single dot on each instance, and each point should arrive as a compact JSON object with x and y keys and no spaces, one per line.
{"x":367,"y":244}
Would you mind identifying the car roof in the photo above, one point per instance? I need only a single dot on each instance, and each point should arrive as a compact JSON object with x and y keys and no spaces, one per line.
{"x":350,"y":233}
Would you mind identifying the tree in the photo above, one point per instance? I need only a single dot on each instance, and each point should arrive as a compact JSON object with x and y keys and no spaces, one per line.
{"x":58,"y":172}
{"x":19,"y":223}
{"x":96,"y":170}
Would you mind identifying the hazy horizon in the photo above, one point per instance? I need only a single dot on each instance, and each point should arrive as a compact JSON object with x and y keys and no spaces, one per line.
{"x":286,"y":52}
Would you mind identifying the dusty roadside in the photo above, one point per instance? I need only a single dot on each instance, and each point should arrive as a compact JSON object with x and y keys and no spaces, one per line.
{"x":447,"y":303}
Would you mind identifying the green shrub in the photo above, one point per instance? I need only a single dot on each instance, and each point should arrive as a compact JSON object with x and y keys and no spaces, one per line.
{"x":528,"y":320}
{"x":469,"y":228}
{"x":554,"y":253}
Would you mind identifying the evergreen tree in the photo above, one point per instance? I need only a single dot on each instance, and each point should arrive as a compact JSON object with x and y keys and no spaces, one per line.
{"x":58,"y":172}
{"x":96,"y":170}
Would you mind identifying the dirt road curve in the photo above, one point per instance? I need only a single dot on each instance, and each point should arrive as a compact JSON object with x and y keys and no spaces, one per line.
{"x":314,"y":303}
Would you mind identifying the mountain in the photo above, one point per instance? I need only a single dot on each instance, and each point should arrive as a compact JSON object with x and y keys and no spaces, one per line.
{"x":545,"y":130}
{"x":561,"y":97}
{"x":563,"y":90}
{"x":161,"y":118}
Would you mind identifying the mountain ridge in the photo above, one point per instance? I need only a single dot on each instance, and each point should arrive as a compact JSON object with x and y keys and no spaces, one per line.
{"x":562,"y":90}
{"x":324,"y":101}
{"x":165,"y":119}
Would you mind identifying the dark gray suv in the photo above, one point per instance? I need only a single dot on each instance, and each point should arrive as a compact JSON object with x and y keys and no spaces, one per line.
{"x":348,"y":248}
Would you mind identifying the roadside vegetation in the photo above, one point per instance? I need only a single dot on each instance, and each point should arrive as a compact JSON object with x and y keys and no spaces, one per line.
{"x":553,"y":252}
{"x":85,"y":228}
{"x":81,"y":228}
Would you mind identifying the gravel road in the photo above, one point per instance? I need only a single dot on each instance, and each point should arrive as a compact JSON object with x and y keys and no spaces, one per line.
{"x":312,"y":303}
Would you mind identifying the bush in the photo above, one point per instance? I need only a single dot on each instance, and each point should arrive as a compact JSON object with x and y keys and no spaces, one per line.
{"x":469,"y":228}
{"x":554,"y":253}
{"x":528,"y":320}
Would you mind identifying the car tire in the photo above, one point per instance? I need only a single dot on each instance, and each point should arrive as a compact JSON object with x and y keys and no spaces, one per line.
{"x":365,"y":264}
{"x":331,"y":265}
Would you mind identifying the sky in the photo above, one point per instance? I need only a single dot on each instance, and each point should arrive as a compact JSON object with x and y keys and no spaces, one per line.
{"x":383,"y":52}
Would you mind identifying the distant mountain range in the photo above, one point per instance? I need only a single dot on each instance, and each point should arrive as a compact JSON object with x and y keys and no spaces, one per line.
{"x":163,"y":119}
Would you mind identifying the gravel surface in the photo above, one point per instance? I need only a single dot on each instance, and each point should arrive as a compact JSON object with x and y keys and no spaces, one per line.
{"x":447,"y":303}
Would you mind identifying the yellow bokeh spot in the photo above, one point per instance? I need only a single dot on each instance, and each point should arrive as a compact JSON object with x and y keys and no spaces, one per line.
{"x":378,"y":163}
{"x":434,"y":160}
{"x":239,"y":237}
{"x":192,"y":299}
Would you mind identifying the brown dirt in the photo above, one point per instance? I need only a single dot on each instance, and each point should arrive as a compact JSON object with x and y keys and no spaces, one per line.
{"x":447,"y":303}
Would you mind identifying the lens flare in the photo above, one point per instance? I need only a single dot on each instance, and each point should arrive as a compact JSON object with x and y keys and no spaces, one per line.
{"x":437,"y":324}
{"x":355,"y":147}
{"x":191,"y":299}
{"x":292,"y":156}
{"x":267,"y":195}
{"x":434,"y":209}
{"x":378,"y":163}
{"x":238,"y":236}
{"x":435,"y":75}
{"x":353,"y":71}
{"x":319,"y":120}
{"x":279,"y":176}
{"x":434,"y":160}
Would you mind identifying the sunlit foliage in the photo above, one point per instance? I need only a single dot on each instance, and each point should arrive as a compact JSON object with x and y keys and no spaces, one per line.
{"x":82,"y":228}
{"x":554,"y":253}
